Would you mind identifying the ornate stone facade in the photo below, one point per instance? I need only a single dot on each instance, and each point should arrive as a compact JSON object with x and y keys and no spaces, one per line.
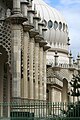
{"x":25,"y":72}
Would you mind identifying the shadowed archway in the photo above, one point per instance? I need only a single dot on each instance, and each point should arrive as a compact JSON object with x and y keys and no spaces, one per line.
{"x":4,"y":81}
{"x":65,"y":90}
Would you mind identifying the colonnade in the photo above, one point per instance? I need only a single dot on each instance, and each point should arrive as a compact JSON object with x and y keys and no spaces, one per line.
{"x":28,"y":39}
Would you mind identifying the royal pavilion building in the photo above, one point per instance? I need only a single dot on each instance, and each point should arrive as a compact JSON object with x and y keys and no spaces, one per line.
{"x":35,"y":62}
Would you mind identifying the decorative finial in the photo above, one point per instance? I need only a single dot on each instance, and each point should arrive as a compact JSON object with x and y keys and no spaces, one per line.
{"x":70,"y":53}
{"x":68,"y":41}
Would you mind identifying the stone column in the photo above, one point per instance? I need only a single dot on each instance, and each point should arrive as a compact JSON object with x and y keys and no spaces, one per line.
{"x":16,"y":6}
{"x":44,"y":78}
{"x":24,"y":8}
{"x":36,"y":69}
{"x":41,"y":73}
{"x":44,"y":92}
{"x":25,"y":52}
{"x":16,"y":20}
{"x":16,"y":60}
{"x":24,"y":85}
{"x":31,"y":67}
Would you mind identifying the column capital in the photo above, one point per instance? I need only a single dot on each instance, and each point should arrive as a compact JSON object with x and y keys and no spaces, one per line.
{"x":16,"y":19}
{"x":43,"y":43}
{"x":33,"y":33}
{"x":38,"y":38}
{"x":27,"y":27}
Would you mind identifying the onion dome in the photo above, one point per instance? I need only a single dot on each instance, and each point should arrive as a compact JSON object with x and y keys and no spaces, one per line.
{"x":57,"y":30}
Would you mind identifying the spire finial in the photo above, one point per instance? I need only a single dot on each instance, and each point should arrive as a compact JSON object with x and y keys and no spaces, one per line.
{"x":70,"y":53}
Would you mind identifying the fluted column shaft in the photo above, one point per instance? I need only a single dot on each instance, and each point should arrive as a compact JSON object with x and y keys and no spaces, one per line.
{"x":41,"y":73}
{"x":31,"y":67}
{"x":25,"y":52}
{"x":36,"y":69}
{"x":16,"y":60}
{"x":44,"y":92}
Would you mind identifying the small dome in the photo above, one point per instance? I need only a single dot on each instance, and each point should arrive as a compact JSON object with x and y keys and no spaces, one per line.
{"x":57,"y":30}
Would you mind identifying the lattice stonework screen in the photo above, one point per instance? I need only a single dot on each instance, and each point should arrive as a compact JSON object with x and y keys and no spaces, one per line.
{"x":5,"y":38}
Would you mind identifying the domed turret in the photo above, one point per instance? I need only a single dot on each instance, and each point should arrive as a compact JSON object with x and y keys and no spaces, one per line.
{"x":57,"y":30}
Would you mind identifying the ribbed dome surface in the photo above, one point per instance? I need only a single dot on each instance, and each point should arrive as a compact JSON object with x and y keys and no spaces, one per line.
{"x":57,"y":33}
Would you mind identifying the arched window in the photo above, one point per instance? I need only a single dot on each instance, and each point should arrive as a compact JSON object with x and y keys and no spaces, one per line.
{"x":50,"y":24}
{"x":44,"y":22}
{"x":60,"y":25}
{"x":55,"y":25}
{"x":63,"y":26}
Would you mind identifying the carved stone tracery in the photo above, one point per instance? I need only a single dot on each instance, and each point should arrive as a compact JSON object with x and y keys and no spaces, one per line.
{"x":5,"y":38}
